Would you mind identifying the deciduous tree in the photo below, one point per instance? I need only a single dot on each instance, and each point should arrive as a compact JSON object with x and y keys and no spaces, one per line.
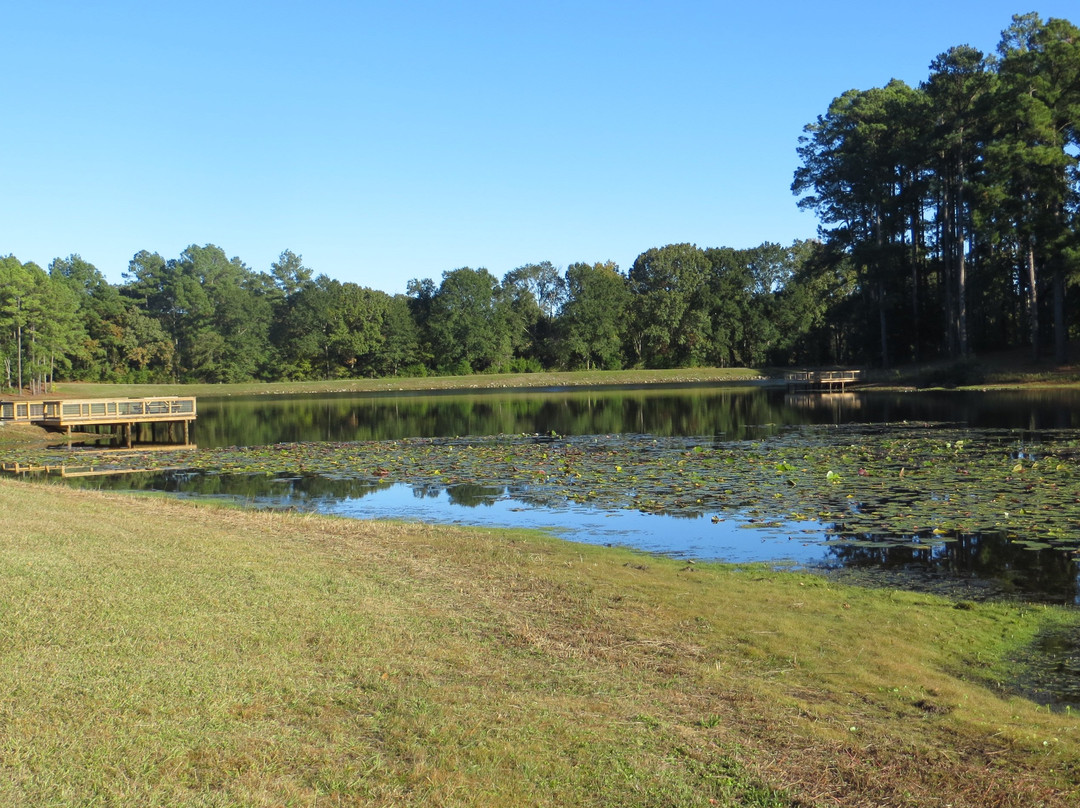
{"x":592,"y":322}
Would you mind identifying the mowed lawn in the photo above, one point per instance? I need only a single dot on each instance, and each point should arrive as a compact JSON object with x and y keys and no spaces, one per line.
{"x":158,"y":652}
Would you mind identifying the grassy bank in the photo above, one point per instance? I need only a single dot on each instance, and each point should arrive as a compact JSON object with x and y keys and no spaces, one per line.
{"x":16,"y":435}
{"x":22,"y":434}
{"x":167,"y":653}
{"x":464,"y":383}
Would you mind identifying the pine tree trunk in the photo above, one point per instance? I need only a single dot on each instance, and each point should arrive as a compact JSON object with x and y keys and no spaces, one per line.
{"x":948,"y":252}
{"x":915,"y":327}
{"x":1061,"y":344}
{"x":1032,"y":303}
{"x":961,"y":268}
{"x":884,"y":326}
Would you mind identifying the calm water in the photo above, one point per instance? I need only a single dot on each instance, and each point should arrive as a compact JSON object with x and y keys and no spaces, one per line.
{"x":978,"y":565}
{"x":689,"y":410}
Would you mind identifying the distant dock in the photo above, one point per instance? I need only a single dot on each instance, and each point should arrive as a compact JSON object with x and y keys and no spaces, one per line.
{"x":124,"y":414}
{"x":821,"y":381}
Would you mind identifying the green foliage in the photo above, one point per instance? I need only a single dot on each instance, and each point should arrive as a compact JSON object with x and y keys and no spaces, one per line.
{"x":204,"y":317}
{"x":955,"y":202}
{"x":400,"y":351}
{"x":533,"y":294}
{"x":671,"y":323}
{"x":470,"y":323}
{"x":40,"y":331}
{"x":594,"y":316}
{"x":744,"y":302}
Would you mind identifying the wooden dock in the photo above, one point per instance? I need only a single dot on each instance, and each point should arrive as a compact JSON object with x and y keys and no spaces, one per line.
{"x":821,"y":381}
{"x":65,"y":470}
{"x":121,"y":413}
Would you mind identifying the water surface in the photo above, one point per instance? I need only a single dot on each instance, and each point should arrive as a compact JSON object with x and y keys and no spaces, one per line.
{"x":733,"y":411}
{"x":979,"y":564}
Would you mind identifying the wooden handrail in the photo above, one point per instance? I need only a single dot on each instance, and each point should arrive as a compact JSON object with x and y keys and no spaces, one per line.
{"x":100,"y":410}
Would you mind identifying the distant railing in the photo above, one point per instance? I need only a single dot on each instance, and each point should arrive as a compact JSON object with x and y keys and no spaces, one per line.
{"x":821,"y":379}
{"x":14,"y":411}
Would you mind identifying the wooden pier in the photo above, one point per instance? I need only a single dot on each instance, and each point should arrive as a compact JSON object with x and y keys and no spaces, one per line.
{"x":121,"y":413}
{"x":821,"y":381}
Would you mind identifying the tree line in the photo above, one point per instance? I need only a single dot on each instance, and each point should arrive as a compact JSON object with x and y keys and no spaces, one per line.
{"x":949,"y":225}
{"x":204,"y":317}
{"x":951,"y":208}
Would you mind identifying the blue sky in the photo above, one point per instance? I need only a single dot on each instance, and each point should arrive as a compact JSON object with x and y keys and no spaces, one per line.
{"x":397,"y":140}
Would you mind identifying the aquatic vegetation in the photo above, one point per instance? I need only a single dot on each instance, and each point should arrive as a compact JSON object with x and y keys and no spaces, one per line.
{"x":916,"y":484}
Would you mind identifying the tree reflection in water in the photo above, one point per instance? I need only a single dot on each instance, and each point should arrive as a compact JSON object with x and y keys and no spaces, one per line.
{"x":973,"y":565}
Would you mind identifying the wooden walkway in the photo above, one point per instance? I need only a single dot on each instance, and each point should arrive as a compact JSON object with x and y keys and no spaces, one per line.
{"x":123,"y":413}
{"x":822,"y":381}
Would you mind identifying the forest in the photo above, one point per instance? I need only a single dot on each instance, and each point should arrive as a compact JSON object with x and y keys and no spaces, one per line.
{"x":948,"y":227}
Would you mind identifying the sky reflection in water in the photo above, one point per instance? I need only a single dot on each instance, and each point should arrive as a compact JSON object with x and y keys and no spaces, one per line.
{"x":684,"y":536}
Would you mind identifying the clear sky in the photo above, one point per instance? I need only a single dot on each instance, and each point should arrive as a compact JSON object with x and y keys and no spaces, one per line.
{"x":385,"y":141}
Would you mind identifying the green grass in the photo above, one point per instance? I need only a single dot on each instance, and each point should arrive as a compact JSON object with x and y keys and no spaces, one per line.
{"x":166,"y":653}
{"x":474,"y":382}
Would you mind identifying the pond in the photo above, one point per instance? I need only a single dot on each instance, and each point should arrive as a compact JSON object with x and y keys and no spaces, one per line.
{"x":934,"y":490}
{"x":732,"y":411}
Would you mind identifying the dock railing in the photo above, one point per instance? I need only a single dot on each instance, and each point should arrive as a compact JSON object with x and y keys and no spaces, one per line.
{"x":62,"y":412}
{"x":821,"y":380}
{"x":125,"y":414}
{"x":113,"y":411}
{"x":21,"y":411}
